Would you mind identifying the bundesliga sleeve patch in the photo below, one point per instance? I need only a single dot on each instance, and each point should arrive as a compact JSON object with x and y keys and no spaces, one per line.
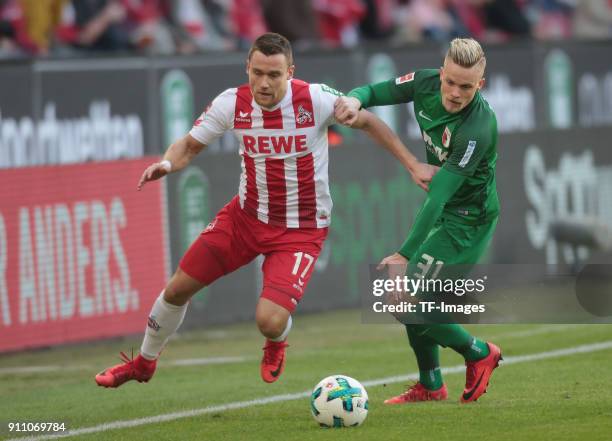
{"x":468,"y":154}
{"x":405,"y":78}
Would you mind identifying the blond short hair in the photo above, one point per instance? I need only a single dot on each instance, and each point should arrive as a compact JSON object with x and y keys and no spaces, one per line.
{"x":466,"y":52}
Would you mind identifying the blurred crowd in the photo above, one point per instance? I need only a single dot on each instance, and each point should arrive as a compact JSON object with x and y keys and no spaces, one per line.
{"x":72,"y":27}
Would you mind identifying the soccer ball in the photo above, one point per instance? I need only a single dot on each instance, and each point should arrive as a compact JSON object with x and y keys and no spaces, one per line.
{"x":339,"y":401}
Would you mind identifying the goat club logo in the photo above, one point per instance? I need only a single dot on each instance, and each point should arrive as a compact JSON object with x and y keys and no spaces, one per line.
{"x":303,"y":115}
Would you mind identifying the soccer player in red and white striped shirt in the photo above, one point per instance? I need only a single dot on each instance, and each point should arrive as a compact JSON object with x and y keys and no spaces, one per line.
{"x":283,"y":206}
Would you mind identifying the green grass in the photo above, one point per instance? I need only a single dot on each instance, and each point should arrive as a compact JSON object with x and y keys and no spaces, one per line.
{"x":564,"y":398}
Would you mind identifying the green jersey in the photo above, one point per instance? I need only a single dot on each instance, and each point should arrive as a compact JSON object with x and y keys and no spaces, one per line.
{"x":464,"y":143}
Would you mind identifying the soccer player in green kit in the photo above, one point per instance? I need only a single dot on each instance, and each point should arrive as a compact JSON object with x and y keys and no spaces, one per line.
{"x":457,"y":220}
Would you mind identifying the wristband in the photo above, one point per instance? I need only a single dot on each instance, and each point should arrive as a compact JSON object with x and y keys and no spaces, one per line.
{"x":166,"y":165}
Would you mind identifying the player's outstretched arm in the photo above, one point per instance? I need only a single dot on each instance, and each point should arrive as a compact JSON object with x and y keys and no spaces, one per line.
{"x":376,"y":129}
{"x":177,"y":157}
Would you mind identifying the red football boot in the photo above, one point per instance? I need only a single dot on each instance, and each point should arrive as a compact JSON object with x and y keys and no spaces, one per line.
{"x":417,"y":392}
{"x":478,"y":373}
{"x":139,"y":369}
{"x":273,"y":361}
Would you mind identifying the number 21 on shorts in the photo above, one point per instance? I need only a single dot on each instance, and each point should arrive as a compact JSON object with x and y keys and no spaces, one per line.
{"x":425,"y":265}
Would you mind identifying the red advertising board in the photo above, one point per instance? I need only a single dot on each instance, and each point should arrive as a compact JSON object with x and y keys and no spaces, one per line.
{"x":83,"y":255}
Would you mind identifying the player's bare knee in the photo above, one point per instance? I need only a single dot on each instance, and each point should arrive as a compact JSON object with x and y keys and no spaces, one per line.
{"x":271,"y":325}
{"x":175,"y":297}
{"x":181,"y":288}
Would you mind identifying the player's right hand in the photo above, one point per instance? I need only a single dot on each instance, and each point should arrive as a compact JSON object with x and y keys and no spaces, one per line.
{"x":423,"y":173}
{"x":152,"y":173}
{"x":346,"y":110}
{"x":396,"y":265}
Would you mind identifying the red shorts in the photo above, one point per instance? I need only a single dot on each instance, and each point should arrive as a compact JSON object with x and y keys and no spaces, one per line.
{"x":234,"y":238}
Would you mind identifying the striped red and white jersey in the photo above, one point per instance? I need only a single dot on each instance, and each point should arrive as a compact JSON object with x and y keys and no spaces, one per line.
{"x":284,"y":151}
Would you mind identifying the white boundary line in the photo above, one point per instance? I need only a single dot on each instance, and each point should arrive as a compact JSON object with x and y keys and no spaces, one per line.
{"x":546,"y":329}
{"x":295,"y":396}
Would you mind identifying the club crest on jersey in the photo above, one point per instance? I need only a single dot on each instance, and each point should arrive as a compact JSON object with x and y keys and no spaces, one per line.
{"x":446,"y":137}
{"x":405,"y":78}
{"x":434,"y":149}
{"x":303,"y":115}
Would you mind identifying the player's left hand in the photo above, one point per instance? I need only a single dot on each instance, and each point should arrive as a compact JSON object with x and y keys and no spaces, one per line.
{"x":422,"y":174}
{"x":152,"y":173}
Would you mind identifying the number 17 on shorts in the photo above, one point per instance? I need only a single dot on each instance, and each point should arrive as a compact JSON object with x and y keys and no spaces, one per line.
{"x":286,"y":275}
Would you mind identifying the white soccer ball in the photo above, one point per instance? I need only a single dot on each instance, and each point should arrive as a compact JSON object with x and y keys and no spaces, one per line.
{"x":339,"y":401}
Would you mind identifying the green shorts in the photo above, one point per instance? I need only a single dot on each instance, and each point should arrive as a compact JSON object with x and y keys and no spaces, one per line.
{"x":451,"y":245}
{"x":449,"y":252}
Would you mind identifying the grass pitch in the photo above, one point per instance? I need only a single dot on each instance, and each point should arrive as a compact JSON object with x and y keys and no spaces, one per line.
{"x":558,"y":398}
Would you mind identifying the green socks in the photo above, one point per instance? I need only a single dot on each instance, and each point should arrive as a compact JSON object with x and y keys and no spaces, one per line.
{"x":426,"y":342}
{"x":427,"y":354}
{"x":431,"y":379}
{"x":456,"y":337}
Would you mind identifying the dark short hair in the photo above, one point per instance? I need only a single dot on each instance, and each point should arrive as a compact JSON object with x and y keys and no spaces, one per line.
{"x":272,"y":43}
